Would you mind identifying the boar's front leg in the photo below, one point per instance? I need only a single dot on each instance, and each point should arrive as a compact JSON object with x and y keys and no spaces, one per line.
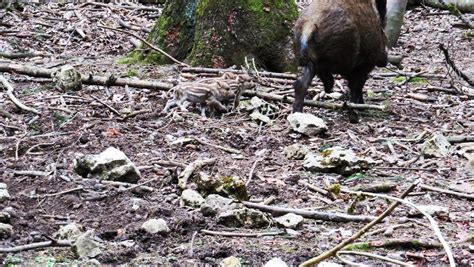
{"x":301,"y":86}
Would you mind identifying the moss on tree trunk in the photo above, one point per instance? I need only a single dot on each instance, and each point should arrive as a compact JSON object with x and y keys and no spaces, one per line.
{"x":222,"y":33}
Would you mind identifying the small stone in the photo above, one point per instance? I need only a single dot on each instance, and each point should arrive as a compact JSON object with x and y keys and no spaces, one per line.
{"x":215,"y":204}
{"x":69,"y":232}
{"x":154,"y":226}
{"x":230,"y":262}
{"x":5,"y":229}
{"x":296,"y":151}
{"x":4,"y":217}
{"x":275,"y":262}
{"x":292,"y":233}
{"x":192,"y":198}
{"x":290,"y":220}
{"x":231,"y":186}
{"x":336,"y":160}
{"x":437,"y":146}
{"x":67,"y":78}
{"x":86,"y":247}
{"x":244,"y":217}
{"x":4,"y":195}
{"x":112,"y":164}
{"x":306,"y":124}
{"x":335,"y":95}
{"x":430,"y":209}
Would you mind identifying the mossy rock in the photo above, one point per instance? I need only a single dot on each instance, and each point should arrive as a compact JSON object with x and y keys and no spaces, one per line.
{"x":222,"y":33}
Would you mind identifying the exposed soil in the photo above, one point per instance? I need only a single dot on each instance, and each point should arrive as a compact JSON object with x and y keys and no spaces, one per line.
{"x":73,"y":123}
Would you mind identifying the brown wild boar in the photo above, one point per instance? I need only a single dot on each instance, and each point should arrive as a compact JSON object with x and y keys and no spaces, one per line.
{"x":339,"y":37}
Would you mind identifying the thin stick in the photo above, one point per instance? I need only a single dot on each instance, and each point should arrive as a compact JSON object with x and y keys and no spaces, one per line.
{"x":370,"y":255}
{"x":433,"y":223}
{"x":79,"y":188}
{"x":252,"y":172}
{"x":361,"y":232}
{"x":13,"y":97}
{"x":223,"y":148}
{"x":316,"y":215}
{"x":454,"y":67}
{"x":59,"y":243}
{"x":147,"y":43}
{"x":236,"y":234}
{"x":107,"y":106}
{"x":448,"y":192}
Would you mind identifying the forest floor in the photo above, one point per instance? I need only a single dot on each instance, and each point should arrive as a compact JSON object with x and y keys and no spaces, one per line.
{"x":75,"y":123}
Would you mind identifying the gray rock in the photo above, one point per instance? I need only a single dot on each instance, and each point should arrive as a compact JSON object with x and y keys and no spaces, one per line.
{"x":112,"y":164}
{"x":192,"y":198}
{"x":67,"y":78}
{"x":337,"y":160}
{"x":290,"y":220}
{"x":4,"y":217}
{"x":4,"y":195}
{"x":230,"y":262}
{"x":296,"y":151}
{"x":275,"y":262}
{"x":216,"y":204}
{"x":5,"y":229}
{"x":244,"y":217}
{"x":231,"y":186}
{"x":86,"y":247}
{"x":154,"y":226}
{"x":437,"y":146}
{"x":306,"y":124}
{"x":430,"y":209}
{"x":69,"y":232}
{"x":335,"y":95}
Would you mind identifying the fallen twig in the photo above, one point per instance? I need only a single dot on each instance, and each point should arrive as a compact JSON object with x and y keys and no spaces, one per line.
{"x":34,"y":71}
{"x":370,"y":255}
{"x":192,"y":168}
{"x":454,"y":67}
{"x":433,"y":223}
{"x":316,"y":215}
{"x":361,"y":232}
{"x":226,"y":149}
{"x":79,"y":188}
{"x":447,"y":192}
{"x":236,"y":234}
{"x":16,"y":55}
{"x":31,"y":173}
{"x":461,"y":139}
{"x":13,"y":97}
{"x":58,"y":243}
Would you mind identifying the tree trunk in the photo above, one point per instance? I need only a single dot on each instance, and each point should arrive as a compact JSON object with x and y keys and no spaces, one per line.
{"x":222,"y":33}
{"x":394,"y":20}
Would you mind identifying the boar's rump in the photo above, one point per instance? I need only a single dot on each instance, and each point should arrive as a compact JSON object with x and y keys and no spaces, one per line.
{"x":339,"y":37}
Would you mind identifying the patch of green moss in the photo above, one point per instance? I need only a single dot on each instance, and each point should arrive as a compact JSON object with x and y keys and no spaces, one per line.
{"x":418,"y":80}
{"x":131,"y":73}
{"x":363,"y":246}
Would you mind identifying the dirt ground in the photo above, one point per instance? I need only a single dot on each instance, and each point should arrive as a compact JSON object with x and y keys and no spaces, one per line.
{"x":73,"y":122}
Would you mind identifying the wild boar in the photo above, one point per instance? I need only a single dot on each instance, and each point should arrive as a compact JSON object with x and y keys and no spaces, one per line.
{"x":212,"y":93}
{"x":339,"y":37}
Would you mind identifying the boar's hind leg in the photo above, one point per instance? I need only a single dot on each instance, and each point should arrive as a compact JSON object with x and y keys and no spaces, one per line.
{"x":301,"y":86}
{"x":328,"y":81}
{"x":357,"y":81}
